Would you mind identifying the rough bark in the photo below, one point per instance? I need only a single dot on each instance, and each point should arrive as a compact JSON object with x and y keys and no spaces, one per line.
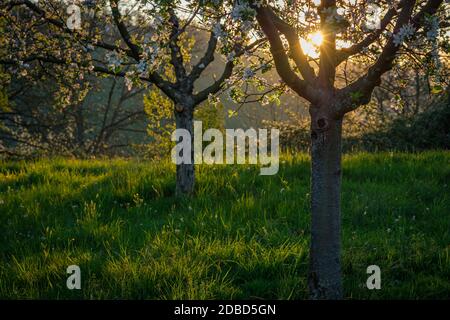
{"x":325,"y":273}
{"x":325,"y":281}
{"x":184,"y":118}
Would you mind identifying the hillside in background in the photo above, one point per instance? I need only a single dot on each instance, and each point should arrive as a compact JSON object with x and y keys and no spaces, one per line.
{"x":111,"y":119}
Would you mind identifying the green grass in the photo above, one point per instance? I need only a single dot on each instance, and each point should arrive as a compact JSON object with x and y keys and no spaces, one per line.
{"x":241,"y":236}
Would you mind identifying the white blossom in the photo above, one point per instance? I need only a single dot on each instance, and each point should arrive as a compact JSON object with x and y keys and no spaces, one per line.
{"x":432,"y":36}
{"x":24,"y":65}
{"x":332,"y":16}
{"x":405,"y":32}
{"x":89,"y":48}
{"x":128,"y":80}
{"x":258,"y":3}
{"x":218,"y":31}
{"x":241,"y":11}
{"x":212,"y":99}
{"x":246,"y":26}
{"x":433,"y":24}
{"x":113,"y":59}
{"x":248,"y":73}
{"x":158,"y":21}
{"x":231,"y":57}
{"x":141,"y":67}
{"x":151,"y":52}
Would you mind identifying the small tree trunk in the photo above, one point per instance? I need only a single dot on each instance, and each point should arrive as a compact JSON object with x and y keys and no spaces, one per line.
{"x":184,"y":118}
{"x":79,"y":131}
{"x":325,"y":280}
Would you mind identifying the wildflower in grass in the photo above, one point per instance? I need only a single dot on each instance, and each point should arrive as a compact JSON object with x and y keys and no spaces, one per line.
{"x":138,"y":201}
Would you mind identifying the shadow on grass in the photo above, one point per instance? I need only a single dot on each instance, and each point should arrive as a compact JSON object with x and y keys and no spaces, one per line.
{"x":241,"y":236}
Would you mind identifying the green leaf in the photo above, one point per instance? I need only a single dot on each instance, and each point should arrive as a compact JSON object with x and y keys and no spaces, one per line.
{"x":437,"y":89}
{"x":355,"y":96}
{"x":231,"y":113}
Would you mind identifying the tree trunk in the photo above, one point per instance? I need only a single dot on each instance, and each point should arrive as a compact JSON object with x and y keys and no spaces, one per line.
{"x":184,"y":118}
{"x":79,"y":122}
{"x":325,"y":280}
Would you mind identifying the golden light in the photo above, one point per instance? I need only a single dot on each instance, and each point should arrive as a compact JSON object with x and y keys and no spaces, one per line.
{"x":316,"y":38}
{"x":313,"y":41}
{"x":311,"y":44}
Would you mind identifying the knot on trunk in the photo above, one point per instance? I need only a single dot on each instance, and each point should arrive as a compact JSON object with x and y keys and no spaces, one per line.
{"x":179,"y":108}
{"x":322,"y":124}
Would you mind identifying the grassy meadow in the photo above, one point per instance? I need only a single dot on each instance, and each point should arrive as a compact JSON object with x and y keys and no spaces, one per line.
{"x":242,"y":236}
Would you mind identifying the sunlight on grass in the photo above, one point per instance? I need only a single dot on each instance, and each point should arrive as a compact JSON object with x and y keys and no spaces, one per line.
{"x":242,"y":236}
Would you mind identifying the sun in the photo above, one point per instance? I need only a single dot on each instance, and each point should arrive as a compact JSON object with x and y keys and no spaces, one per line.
{"x":311,"y":44}
{"x":316,"y":38}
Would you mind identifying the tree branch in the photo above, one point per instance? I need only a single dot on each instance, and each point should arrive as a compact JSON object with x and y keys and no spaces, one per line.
{"x":327,"y":68}
{"x":296,"y":51}
{"x":135,"y":49}
{"x":154,"y":78}
{"x":227,"y":72}
{"x":176,"y":57}
{"x":57,"y":23}
{"x":206,"y":60}
{"x":281,"y":60}
{"x":345,"y":53}
{"x":360,"y":91}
